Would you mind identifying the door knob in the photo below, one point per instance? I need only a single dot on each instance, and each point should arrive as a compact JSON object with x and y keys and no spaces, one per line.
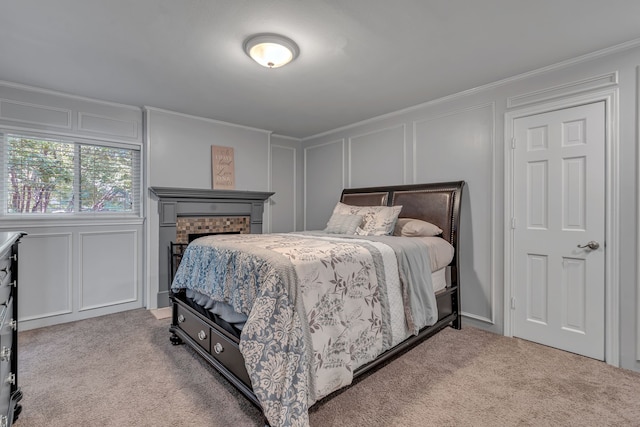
{"x":593,"y":245}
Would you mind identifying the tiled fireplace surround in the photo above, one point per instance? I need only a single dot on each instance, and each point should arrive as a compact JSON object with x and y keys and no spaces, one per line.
{"x":184,"y":212}
{"x":188,"y":227}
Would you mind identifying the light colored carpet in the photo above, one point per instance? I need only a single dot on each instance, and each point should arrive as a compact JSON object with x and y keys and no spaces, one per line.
{"x":121,"y":370}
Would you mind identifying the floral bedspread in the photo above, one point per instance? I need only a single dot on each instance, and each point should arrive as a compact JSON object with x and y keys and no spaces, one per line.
{"x":317,"y":307}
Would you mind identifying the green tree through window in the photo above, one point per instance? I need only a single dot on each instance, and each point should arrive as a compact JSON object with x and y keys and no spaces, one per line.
{"x":51,"y":176}
{"x":105,"y":179}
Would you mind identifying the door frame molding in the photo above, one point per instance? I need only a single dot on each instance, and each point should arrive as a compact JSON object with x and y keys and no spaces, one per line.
{"x":612,"y":202}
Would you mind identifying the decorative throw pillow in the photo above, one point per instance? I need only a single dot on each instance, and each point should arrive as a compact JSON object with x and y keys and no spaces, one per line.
{"x":410,"y":227}
{"x":343,"y":224}
{"x":376,"y":220}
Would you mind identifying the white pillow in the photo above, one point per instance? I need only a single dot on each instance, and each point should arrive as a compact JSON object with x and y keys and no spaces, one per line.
{"x":343,"y":224}
{"x":410,"y":227}
{"x":376,"y":220}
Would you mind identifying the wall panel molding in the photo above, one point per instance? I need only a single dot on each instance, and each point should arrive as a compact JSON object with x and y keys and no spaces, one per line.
{"x":33,"y":109}
{"x":53,"y":271}
{"x":294,"y":184}
{"x":114,"y":281}
{"x":24,"y":112}
{"x":564,"y":90}
{"x":341,"y":142}
{"x":107,"y":125}
{"x":378,"y":150}
{"x":475,"y":190}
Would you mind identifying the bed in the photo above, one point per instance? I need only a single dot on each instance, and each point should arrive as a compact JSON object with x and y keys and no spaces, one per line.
{"x":291,"y":318}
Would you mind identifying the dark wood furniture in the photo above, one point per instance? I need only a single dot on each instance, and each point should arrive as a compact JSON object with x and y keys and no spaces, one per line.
{"x":10,"y":393}
{"x":438,"y":203}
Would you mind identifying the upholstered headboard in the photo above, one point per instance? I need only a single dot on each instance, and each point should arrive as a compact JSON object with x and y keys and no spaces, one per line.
{"x":437,"y":203}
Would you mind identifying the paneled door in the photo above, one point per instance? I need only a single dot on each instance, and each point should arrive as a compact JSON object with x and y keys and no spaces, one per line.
{"x":559,"y":229}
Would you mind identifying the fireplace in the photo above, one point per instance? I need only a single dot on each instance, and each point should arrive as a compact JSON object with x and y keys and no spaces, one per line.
{"x":185,"y":212}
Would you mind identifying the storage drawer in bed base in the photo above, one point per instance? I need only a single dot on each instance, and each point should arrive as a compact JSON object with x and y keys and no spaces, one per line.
{"x":212,"y":342}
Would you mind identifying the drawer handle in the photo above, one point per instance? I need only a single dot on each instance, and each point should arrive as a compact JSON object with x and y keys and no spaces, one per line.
{"x":180,"y":318}
{"x":5,"y":354}
{"x":218,"y":348}
{"x":202,"y":335}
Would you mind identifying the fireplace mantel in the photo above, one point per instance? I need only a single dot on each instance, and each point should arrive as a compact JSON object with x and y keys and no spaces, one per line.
{"x":201,"y":193}
{"x":192,"y":202}
{"x":175,"y":202}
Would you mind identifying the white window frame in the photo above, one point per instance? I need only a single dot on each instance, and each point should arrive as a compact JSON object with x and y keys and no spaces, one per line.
{"x":138,"y":203}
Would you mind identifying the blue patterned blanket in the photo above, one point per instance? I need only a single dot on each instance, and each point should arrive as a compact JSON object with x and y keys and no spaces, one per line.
{"x":318,"y":306}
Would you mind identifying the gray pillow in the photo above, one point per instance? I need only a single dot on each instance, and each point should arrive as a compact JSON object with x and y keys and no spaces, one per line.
{"x":343,"y":224}
{"x":376,"y":220}
{"x":410,"y":227}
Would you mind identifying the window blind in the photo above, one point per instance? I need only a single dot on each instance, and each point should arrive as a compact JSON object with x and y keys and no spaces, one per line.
{"x":48,"y":176}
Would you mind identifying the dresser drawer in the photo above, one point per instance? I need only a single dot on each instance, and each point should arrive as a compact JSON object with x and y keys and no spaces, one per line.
{"x":5,"y":291}
{"x":7,"y":378}
{"x":5,"y":265}
{"x":6,"y":330}
{"x":195,"y":328}
{"x":6,"y":278}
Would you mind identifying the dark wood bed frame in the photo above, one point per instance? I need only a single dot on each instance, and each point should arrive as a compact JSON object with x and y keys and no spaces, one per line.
{"x":437,"y":203}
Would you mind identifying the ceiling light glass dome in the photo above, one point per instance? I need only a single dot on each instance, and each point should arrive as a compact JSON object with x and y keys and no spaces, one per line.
{"x":271,"y":50}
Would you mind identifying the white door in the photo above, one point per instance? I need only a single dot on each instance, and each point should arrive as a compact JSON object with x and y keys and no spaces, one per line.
{"x":559,"y":208}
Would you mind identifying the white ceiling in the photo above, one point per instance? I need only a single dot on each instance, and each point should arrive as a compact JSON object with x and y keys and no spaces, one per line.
{"x":358,"y":58}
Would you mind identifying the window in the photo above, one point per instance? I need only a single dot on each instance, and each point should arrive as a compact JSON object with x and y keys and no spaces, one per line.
{"x":55,"y":176}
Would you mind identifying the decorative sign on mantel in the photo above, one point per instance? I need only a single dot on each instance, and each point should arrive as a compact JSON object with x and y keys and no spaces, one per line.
{"x":222,"y":168}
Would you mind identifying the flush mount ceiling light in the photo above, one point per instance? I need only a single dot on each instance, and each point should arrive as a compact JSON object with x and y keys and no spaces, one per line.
{"x":271,"y":50}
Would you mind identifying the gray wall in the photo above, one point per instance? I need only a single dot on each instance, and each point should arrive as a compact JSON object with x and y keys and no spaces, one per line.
{"x":179,"y":155}
{"x":179,"y":151}
{"x":462,"y":136}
